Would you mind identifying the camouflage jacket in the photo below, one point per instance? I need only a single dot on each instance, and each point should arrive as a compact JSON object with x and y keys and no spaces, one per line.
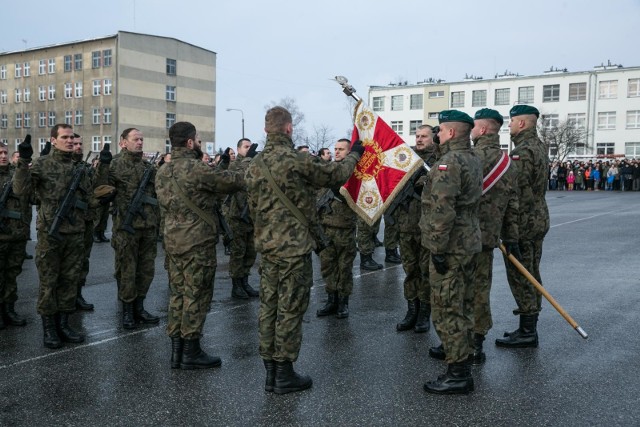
{"x":49,"y":178}
{"x":184,"y":231}
{"x":338,"y":214}
{"x":498,"y":211}
{"x":530,"y":159}
{"x":238,"y":206}
{"x":125,"y":174}
{"x":90,"y":214}
{"x":450,"y":199}
{"x":277,"y":231}
{"x":14,"y":228}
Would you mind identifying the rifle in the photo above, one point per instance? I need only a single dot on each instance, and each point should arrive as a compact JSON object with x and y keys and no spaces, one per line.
{"x":406,"y":194}
{"x":69,"y":202}
{"x":223,"y":226}
{"x":323,"y":204}
{"x":139,"y":198}
{"x":7,"y":191}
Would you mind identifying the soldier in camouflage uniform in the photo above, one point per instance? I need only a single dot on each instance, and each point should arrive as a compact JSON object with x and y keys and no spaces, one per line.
{"x":135,"y":253}
{"x":451,"y":232}
{"x":58,"y":261}
{"x":286,"y":243}
{"x":531,"y":162}
{"x":366,"y":238}
{"x":336,"y":261}
{"x":243,"y":252}
{"x":415,"y":257}
{"x":186,"y":190}
{"x":14,"y":230}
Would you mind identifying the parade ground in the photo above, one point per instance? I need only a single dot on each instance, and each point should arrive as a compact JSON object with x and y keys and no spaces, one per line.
{"x":364,"y":372}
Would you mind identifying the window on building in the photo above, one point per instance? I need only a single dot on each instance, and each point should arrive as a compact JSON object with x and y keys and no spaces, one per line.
{"x":67,"y":63}
{"x":96,"y":143}
{"x":42,"y":66}
{"x":479,"y":98}
{"x":95,"y":116}
{"x":633,"y":89}
{"x":167,"y":145}
{"x":433,"y":116}
{"x":397,"y":126}
{"x":550,"y":121}
{"x":505,"y":124}
{"x":578,"y":120}
{"x":78,"y":119}
{"x":525,"y":95}
{"x":107,"y":86}
{"x":170,"y":119}
{"x":27,"y":94}
{"x":17,"y":142}
{"x":27,"y":69}
{"x":96,"y":59}
{"x":633,"y":119}
{"x":42,"y":119}
{"x":106,"y":57}
{"x":4,"y":141}
{"x":4,"y":121}
{"x":107,"y":116}
{"x":42,"y":142}
{"x":605,"y":148}
{"x":550,"y":93}
{"x":27,"y":120}
{"x":68,"y":117}
{"x":413,"y":126}
{"x":577,"y":91}
{"x":77,"y":61}
{"x":52,"y":66}
{"x":607,"y":120}
{"x":97,"y":87}
{"x":18,"y":70}
{"x":632,"y":150}
{"x":52,"y":92}
{"x":608,"y":89}
{"x":457,"y":99}
{"x":42,"y":93}
{"x":106,"y":140}
{"x":397,"y":103}
{"x":52,"y":118}
{"x":18,"y":97}
{"x":78,"y":90}
{"x":416,"y":101}
{"x":378,"y":103}
{"x":68,"y":90}
{"x":436,"y":94}
{"x":171,"y":67}
{"x":170,"y":93}
{"x":502,"y":96}
{"x":3,"y":72}
{"x":3,"y":96}
{"x":18,"y":120}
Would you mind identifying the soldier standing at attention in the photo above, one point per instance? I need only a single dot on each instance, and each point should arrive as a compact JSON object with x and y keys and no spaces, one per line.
{"x":336,"y":261}
{"x":243,"y":252}
{"x":278,"y":183}
{"x":58,"y":254}
{"x":186,"y":190}
{"x":451,"y":232}
{"x":531,"y":161}
{"x":367,"y":242}
{"x":134,"y":239}
{"x":415,"y":257}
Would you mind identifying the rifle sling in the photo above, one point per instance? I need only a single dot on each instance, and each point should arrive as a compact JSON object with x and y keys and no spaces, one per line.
{"x":202,"y":214}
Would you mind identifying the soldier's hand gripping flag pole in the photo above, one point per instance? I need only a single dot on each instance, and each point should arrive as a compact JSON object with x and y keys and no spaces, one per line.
{"x":544,"y":292}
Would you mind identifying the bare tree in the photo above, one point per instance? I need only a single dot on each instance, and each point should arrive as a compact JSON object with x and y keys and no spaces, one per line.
{"x":297,"y":116}
{"x":562,"y":138}
{"x":322,"y":137}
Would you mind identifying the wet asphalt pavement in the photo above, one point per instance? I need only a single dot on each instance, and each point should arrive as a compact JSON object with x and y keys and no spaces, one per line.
{"x":364,"y":372}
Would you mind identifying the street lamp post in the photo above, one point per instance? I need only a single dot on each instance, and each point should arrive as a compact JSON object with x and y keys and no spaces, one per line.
{"x":242,"y":113}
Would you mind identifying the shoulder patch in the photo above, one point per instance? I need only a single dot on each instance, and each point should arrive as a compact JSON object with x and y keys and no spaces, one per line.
{"x":442,"y":167}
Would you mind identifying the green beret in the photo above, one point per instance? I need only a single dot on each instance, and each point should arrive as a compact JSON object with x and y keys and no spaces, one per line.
{"x":454,"y":116}
{"x":488,"y":113}
{"x":519,"y":110}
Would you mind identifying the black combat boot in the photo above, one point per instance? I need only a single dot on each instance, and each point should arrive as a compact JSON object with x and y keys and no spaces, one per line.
{"x":331,"y":306}
{"x":65,"y":332}
{"x":248,"y":289}
{"x":270,"y":381}
{"x":478,"y":356}
{"x":343,"y":307}
{"x":51,"y":338}
{"x":237,"y":290}
{"x":525,"y":336}
{"x":177,"y":346}
{"x":410,"y":318}
{"x":437,"y":352}
{"x":128,"y":321}
{"x":193,"y":357}
{"x":288,"y":381}
{"x":81,"y":303}
{"x":367,"y":263}
{"x":10,"y":316}
{"x":392,"y":256}
{"x":457,"y":380}
{"x":422,"y":323}
{"x":142,"y":315}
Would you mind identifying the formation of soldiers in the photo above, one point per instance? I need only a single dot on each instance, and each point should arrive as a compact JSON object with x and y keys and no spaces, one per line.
{"x":465,"y":202}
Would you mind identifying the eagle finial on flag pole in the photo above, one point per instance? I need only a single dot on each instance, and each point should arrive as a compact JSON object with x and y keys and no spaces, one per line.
{"x":346,"y":87}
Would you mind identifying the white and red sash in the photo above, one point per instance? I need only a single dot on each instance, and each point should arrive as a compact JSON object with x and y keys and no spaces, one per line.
{"x":496,"y":173}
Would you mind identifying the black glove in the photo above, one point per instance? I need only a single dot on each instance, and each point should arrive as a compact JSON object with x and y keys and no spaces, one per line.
{"x":25,"y":149}
{"x":161,"y":161}
{"x":440,"y":263}
{"x":435,"y":137}
{"x":225,"y":157}
{"x":252,"y":151}
{"x":105,"y":154}
{"x":357,"y":147}
{"x":47,"y":149}
{"x":513,"y":248}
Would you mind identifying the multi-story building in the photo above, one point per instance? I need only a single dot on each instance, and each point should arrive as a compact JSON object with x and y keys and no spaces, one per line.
{"x":604,"y":102}
{"x":105,"y":85}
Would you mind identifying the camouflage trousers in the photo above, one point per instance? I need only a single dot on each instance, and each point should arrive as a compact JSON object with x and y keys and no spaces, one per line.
{"x":59,"y":265}
{"x":285,"y":285}
{"x":336,"y":261}
{"x":391,"y":235}
{"x":102,"y":217}
{"x":528,"y":299}
{"x":243,"y":252}
{"x":11,"y":259}
{"x":191,"y":285}
{"x":452,"y":306}
{"x":415,"y":262}
{"x":482,"y":278}
{"x":88,"y":245}
{"x":135,"y":257}
{"x":366,"y":236}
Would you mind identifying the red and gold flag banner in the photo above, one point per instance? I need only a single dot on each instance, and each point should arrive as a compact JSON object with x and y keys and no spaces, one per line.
{"x":386,"y":165}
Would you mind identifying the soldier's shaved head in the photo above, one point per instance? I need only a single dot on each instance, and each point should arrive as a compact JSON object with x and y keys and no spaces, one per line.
{"x":277,"y":119}
{"x":180,"y":133}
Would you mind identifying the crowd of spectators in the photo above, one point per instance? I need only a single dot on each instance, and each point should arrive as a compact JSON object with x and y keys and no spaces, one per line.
{"x":595,"y":175}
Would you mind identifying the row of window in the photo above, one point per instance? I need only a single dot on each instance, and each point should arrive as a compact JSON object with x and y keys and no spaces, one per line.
{"x":99,"y":58}
{"x":100,"y":87}
{"x":74,"y":118}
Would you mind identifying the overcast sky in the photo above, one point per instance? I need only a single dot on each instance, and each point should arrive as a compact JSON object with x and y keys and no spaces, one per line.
{"x":268,"y":50}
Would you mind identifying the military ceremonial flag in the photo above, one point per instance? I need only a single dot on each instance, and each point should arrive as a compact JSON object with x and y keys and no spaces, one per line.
{"x":386,"y":165}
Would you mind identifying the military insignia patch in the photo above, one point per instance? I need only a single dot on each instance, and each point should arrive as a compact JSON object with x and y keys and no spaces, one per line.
{"x":442,"y":167}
